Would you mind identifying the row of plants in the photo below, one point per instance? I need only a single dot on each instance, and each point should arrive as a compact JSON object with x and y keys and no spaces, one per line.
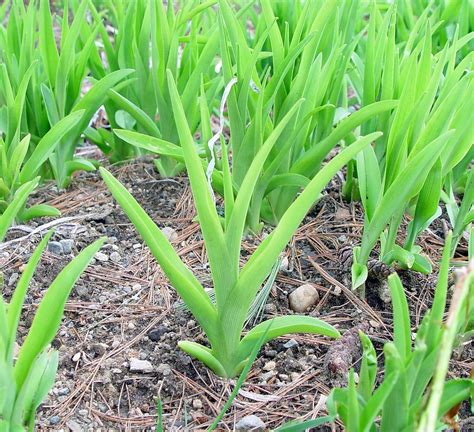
{"x":300,"y":92}
{"x":414,"y":393}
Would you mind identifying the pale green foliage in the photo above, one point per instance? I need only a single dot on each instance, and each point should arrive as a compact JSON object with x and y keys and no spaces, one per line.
{"x":47,"y":81}
{"x":235,"y":288}
{"x":446,"y":17}
{"x":150,"y":38}
{"x":414,"y":393}
{"x":425,"y":138}
{"x":27,"y":377}
{"x":309,"y":61}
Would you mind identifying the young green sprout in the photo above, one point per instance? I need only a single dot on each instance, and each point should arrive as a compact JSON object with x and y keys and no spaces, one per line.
{"x":414,"y":393}
{"x":26,"y":379}
{"x":235,"y":288}
{"x":150,"y":37}
{"x":425,"y":138}
{"x":45,"y":83}
{"x":414,"y":371}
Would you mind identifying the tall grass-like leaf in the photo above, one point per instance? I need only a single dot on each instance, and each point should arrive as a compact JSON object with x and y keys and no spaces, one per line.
{"x":407,"y":185}
{"x":235,"y":288}
{"x":18,"y":298}
{"x":47,"y":145}
{"x":25,"y":381}
{"x":398,"y":403}
{"x":49,"y":314}
{"x":401,"y":318}
{"x":15,"y":206}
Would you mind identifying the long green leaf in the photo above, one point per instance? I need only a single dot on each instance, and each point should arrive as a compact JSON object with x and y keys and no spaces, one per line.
{"x":50,"y":312}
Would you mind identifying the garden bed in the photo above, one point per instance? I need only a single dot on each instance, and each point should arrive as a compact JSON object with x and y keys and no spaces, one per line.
{"x":124,"y":308}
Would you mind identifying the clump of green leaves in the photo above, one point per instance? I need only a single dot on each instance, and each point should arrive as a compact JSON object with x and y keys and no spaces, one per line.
{"x":446,"y":18}
{"x":425,"y":138}
{"x":309,"y":61}
{"x":27,"y":377}
{"x":414,"y":394}
{"x":50,"y":80}
{"x":235,"y":288}
{"x":262,"y":86}
{"x":20,"y":160}
{"x":149,"y":38}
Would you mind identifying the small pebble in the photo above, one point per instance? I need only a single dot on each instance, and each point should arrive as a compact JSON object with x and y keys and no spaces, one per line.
{"x":285,"y":264}
{"x":116,"y":371}
{"x":170,"y":233}
{"x":271,"y":365}
{"x":102,"y":257}
{"x":74,"y":426}
{"x":266,"y":376}
{"x":250,"y":423}
{"x":164,"y":369}
{"x":76,"y":357}
{"x":67,"y":245}
{"x":83,"y":412}
{"x":270,"y":308}
{"x":303,"y":297}
{"x":99,"y":348}
{"x":272,"y":353}
{"x":55,"y":248}
{"x":156,"y":333}
{"x":142,"y":366}
{"x":374,"y":324}
{"x":115,"y":257}
{"x":13,"y":278}
{"x":63,"y":391}
{"x":54,"y":420}
{"x":197,"y":404}
{"x":82,"y":291}
{"x":291,"y":344}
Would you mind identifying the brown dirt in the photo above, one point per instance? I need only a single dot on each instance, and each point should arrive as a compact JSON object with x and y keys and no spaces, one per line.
{"x":126,"y":309}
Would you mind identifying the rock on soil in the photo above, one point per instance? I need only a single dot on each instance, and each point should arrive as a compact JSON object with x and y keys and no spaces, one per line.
{"x":66,"y":245}
{"x":74,"y":426}
{"x":102,"y":257}
{"x":303,"y":297}
{"x":55,"y":248}
{"x":250,"y":423}
{"x":170,"y":233}
{"x":142,"y":366}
